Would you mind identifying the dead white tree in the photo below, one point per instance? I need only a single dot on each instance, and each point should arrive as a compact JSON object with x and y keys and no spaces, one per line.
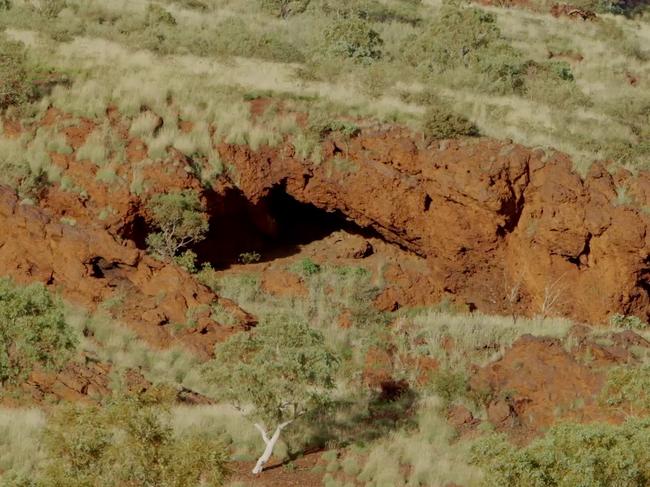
{"x":552,"y":293}
{"x":270,"y":444}
{"x":513,"y":294}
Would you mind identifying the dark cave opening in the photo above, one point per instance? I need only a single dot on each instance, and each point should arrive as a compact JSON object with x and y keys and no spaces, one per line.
{"x":274,"y":227}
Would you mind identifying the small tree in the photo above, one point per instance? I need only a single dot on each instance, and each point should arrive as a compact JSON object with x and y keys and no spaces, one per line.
{"x":180,"y":219}
{"x":284,"y":372}
{"x":33,"y":331}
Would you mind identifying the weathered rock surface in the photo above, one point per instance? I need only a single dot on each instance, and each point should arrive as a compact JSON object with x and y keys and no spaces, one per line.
{"x":88,"y":266}
{"x":493,"y":219}
{"x":542,"y":380}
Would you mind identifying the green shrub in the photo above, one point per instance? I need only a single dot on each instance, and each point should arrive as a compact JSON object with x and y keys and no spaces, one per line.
{"x":353,"y":38}
{"x":5,"y":4}
{"x":306,"y":267}
{"x":458,"y":36}
{"x":15,"y":84}
{"x":187,"y":260}
{"x":33,"y":331}
{"x":461,"y":38}
{"x":628,"y":388}
{"x":628,"y":322}
{"x":285,"y":8}
{"x":129,"y":442}
{"x":449,"y":386}
{"x":371,"y":10}
{"x":157,"y":15}
{"x":249,"y":257}
{"x":439,"y":122}
{"x":570,"y":455}
{"x":181,"y":221}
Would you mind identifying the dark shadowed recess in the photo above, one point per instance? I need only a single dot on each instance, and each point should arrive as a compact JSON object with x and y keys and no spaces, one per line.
{"x":274,"y":227}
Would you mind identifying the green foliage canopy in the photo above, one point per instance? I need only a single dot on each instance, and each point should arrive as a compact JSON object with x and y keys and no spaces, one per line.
{"x":128,"y":442}
{"x":181,"y":221}
{"x":282,"y":369}
{"x":570,"y":455}
{"x":353,"y":38}
{"x":33,"y":331}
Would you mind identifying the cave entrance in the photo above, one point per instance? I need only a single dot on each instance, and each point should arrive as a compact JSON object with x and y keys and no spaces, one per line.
{"x":275,"y":227}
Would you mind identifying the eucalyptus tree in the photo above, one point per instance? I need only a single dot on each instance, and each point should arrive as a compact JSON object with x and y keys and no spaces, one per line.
{"x":276,"y":374}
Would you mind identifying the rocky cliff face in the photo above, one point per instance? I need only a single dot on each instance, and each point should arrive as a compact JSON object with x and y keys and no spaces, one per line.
{"x":88,"y":266}
{"x":504,"y":228}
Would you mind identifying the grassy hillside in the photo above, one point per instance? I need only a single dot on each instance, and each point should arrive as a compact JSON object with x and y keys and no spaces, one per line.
{"x":115,"y":110}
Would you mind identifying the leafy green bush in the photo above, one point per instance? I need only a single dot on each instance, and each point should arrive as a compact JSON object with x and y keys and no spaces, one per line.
{"x":458,"y":36}
{"x":570,"y":455}
{"x":439,"y":122}
{"x":15,"y":84}
{"x":33,"y":331}
{"x":157,"y":15}
{"x":128,"y":442}
{"x":628,"y":322}
{"x":353,"y":38}
{"x":181,"y":221}
{"x":466,"y":38}
{"x":449,"y":385}
{"x":306,"y":267}
{"x":285,"y":8}
{"x":628,"y":388}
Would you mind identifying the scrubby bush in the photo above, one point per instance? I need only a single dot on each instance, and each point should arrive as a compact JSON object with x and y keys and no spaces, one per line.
{"x":371,"y":10}
{"x":353,"y":38}
{"x":440,"y":122}
{"x":15,"y":84}
{"x":628,"y":322}
{"x":285,"y":8}
{"x":157,"y":15}
{"x":180,"y":219}
{"x":450,"y":386}
{"x":127,"y":442}
{"x":570,"y":455}
{"x":33,"y":331}
{"x":466,"y":38}
{"x":458,"y":36}
{"x":50,"y":8}
{"x":628,"y":388}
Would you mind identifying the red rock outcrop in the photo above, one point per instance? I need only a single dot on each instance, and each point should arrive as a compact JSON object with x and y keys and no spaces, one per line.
{"x":542,"y":380}
{"x":88,"y":266}
{"x":494,"y":219}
